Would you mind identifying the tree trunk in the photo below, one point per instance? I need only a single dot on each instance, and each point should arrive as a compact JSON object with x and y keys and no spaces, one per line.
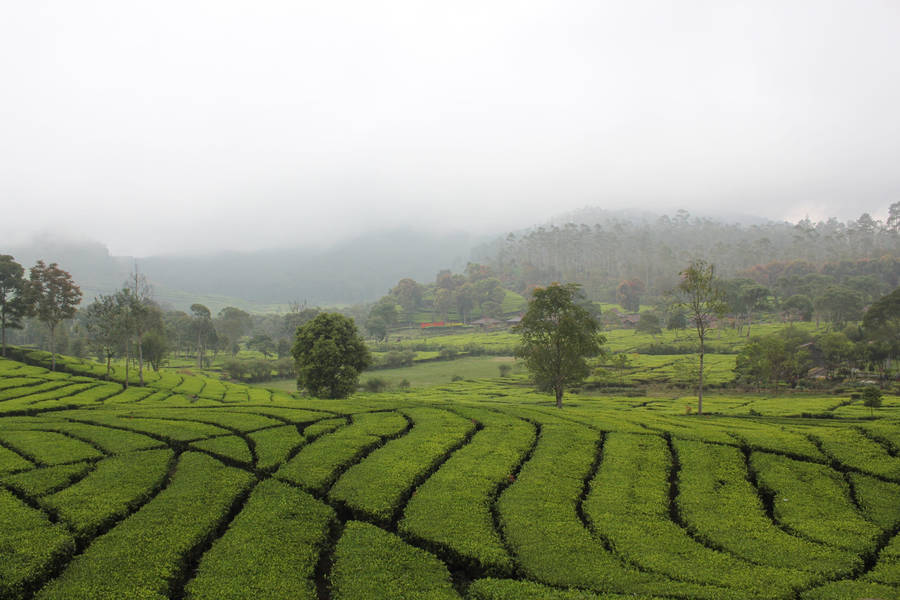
{"x":108,"y":361}
{"x":3,"y":338}
{"x":700,"y":383}
{"x":126,"y":367}
{"x":140,"y":360}
{"x":559,"y":396}
{"x":52,"y":350}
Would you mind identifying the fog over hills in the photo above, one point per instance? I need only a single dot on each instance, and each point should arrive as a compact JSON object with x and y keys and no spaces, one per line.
{"x":356,"y":270}
{"x":363,"y":268}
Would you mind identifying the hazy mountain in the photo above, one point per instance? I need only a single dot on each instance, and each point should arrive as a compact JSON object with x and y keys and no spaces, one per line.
{"x":358,"y":270}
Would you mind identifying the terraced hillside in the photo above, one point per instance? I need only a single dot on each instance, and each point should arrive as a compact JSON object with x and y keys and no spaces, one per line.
{"x":191,"y":488}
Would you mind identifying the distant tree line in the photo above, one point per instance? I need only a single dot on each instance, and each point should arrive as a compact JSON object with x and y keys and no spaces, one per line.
{"x":42,"y":310}
{"x":620,"y":260}
{"x":451,"y":295}
{"x":869,"y":346}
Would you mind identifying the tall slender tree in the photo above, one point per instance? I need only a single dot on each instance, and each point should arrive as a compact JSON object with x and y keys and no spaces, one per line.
{"x":125,"y":325}
{"x":201,"y":323}
{"x":13,"y":305}
{"x":701,"y":296}
{"x":53,"y":297}
{"x":143,"y":315}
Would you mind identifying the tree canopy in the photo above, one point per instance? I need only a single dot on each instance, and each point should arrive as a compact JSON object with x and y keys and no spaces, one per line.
{"x":330,"y":355}
{"x":13,"y":305}
{"x":558,"y":336}
{"x":53,"y":297}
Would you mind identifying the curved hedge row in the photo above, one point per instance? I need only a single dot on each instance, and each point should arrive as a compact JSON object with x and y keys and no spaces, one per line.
{"x":377,"y":486}
{"x":629,"y":504}
{"x":146,"y":554}
{"x":451,"y":512}
{"x":714,"y":487}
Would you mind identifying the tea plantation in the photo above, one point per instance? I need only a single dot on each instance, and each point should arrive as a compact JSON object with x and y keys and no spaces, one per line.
{"x":200,"y":489}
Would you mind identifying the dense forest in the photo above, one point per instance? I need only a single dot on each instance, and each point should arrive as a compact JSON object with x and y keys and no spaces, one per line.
{"x":609,"y":249}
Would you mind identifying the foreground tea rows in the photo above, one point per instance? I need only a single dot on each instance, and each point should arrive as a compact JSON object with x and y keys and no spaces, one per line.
{"x":477,"y":490}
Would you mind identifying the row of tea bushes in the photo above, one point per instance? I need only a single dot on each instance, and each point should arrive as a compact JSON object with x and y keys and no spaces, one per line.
{"x":269,"y":551}
{"x":319,"y":464}
{"x":32,"y":546}
{"x":814,"y":502}
{"x":147,"y":553}
{"x":628,"y":504}
{"x":372,"y":564}
{"x":110,"y":491}
{"x":539,"y":514}
{"x":852,"y":448}
{"x":378,"y":486}
{"x":451,"y":512}
{"x":714,"y":486}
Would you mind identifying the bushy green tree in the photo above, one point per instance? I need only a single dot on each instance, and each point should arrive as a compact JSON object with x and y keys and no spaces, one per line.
{"x":771,"y":359}
{"x":882,"y":321}
{"x":558,"y":336}
{"x":836,"y":350}
{"x":53,"y":298}
{"x":103,"y":324}
{"x":382,"y":317}
{"x":840,"y":304}
{"x":155,"y":347}
{"x":628,"y":294}
{"x":330,"y":355}
{"x":648,"y":323}
{"x":798,"y":306}
{"x":262,"y":343}
{"x":231,"y":324}
{"x":409,"y":295}
{"x":13,"y":305}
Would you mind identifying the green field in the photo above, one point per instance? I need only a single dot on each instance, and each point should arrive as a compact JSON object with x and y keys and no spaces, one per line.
{"x":197,"y":488}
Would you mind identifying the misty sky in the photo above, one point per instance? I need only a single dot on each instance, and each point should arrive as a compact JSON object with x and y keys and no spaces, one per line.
{"x":191,"y":126}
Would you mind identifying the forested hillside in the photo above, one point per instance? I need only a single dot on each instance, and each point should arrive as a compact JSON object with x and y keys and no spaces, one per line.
{"x":609,"y":249}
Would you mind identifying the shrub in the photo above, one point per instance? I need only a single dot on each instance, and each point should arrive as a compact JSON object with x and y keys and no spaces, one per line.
{"x":234,"y":368}
{"x":257,"y":369}
{"x":871,"y":397}
{"x":399,"y":358}
{"x":375,"y":384}
{"x":285,"y":367}
{"x":448,"y":353}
